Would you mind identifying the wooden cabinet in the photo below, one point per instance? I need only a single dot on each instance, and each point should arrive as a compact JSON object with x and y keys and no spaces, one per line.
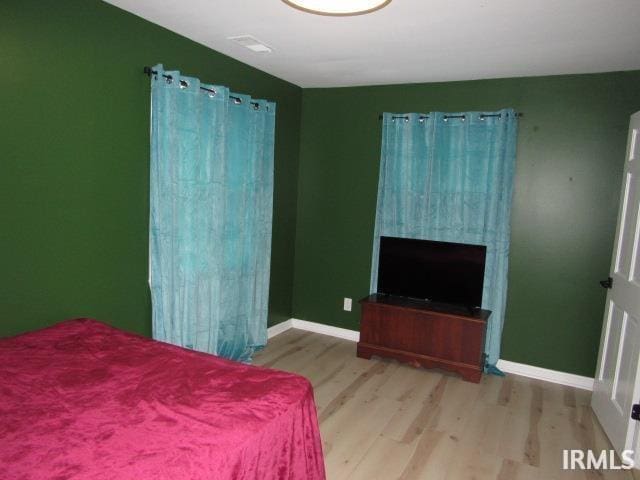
{"x":424,"y":334}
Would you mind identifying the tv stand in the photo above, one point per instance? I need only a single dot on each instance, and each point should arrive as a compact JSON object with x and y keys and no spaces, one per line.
{"x":424,"y":334}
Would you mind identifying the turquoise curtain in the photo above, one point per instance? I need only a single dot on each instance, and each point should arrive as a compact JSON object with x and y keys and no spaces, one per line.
{"x":211,"y":212}
{"x":449,"y":177}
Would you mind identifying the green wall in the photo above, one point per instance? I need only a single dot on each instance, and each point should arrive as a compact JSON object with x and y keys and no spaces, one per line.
{"x":74,"y":137}
{"x":570,"y":154}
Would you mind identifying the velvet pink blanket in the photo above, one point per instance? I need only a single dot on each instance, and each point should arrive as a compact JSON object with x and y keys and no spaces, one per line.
{"x":82,"y":400}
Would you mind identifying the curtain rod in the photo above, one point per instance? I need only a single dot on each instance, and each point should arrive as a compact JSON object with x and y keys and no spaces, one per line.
{"x":446,"y":117}
{"x":183,"y":83}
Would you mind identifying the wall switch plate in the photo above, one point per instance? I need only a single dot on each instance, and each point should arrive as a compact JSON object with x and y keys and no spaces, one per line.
{"x":347,"y":304}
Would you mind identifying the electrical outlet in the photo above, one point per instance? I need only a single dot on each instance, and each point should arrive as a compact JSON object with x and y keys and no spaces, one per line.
{"x":347,"y":304}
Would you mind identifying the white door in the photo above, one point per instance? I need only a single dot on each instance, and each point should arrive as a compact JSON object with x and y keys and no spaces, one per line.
{"x":617,"y":385}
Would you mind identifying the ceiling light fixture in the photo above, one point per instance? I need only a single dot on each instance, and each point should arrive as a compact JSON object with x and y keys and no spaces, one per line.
{"x":338,"y":8}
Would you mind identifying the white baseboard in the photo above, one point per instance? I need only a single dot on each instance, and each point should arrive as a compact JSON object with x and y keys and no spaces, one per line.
{"x":337,"y":332}
{"x":344,"y":333}
{"x":279,"y":328}
{"x":553,"y":376}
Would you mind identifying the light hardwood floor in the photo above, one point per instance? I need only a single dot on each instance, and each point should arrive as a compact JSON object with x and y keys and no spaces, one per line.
{"x":383,"y":420}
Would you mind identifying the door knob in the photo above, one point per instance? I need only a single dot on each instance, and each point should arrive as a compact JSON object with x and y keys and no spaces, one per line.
{"x":608,"y":283}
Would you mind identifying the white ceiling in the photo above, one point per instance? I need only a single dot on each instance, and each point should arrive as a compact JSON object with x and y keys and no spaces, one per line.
{"x":413,"y":40}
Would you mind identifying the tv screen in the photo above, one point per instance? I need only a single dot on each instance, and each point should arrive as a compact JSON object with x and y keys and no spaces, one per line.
{"x":440,"y":272}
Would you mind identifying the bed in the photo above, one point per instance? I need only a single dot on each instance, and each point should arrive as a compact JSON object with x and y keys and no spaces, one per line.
{"x":83,"y":400}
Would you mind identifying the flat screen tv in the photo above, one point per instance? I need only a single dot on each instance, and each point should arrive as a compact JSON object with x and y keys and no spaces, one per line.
{"x":441,"y":272}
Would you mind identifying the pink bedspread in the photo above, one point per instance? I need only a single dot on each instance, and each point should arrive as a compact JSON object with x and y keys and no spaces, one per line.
{"x":82,"y":400}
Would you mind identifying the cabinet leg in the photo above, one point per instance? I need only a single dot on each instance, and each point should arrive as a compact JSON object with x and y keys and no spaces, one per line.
{"x":363,"y":353}
{"x":474,"y":377}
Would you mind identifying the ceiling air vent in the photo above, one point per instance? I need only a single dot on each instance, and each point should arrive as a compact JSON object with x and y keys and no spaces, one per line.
{"x":251,"y":43}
